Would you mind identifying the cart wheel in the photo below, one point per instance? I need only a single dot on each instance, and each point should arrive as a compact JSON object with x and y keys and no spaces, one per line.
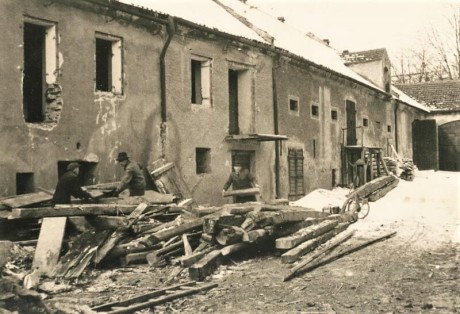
{"x":361,"y":207}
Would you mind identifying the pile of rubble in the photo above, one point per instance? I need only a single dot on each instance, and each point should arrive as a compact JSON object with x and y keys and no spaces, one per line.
{"x":166,"y":227}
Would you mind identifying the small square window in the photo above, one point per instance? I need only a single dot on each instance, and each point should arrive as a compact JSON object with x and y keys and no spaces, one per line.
{"x":365,"y":122}
{"x":389,"y":128}
{"x":315,"y":111}
{"x":203,"y":160}
{"x":334,"y":114}
{"x":294,"y":105}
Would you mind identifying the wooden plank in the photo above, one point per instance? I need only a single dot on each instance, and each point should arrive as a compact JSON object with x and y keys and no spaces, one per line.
{"x":186,"y":261}
{"x":206,"y":266}
{"x":294,"y":254}
{"x":232,"y":248}
{"x":229,"y":235}
{"x":49,"y":245}
{"x":84,"y":223}
{"x":72,"y":210}
{"x":161,"y":170}
{"x":254,"y":235}
{"x":331,"y":244}
{"x":119,"y":234}
{"x":350,"y":250}
{"x":27,"y":199}
{"x":242,"y":192}
{"x":305,"y":234}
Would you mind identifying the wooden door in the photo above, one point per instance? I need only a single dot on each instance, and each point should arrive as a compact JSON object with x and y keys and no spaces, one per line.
{"x":233,"y":127}
{"x":351,"y":123}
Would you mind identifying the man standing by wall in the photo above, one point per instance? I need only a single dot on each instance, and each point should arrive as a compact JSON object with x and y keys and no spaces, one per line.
{"x":68,"y":185}
{"x":133,"y":177}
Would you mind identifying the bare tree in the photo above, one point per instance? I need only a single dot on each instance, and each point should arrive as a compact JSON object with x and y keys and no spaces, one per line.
{"x":436,"y":58}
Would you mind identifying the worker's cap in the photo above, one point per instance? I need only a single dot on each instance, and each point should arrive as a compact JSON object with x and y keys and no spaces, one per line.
{"x":72,"y":166}
{"x":122,"y":156}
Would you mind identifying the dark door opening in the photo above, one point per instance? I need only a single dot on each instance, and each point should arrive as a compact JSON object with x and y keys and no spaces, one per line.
{"x":425,"y":144}
{"x":449,"y":146}
{"x":233,"y":102}
{"x":24,"y":183}
{"x":34,"y":72}
{"x":245,"y":158}
{"x":103,"y":65}
{"x":87,"y":171}
{"x":351,"y":123}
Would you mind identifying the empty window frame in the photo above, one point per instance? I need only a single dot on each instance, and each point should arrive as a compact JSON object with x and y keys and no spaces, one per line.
{"x":294,"y":105}
{"x":40,"y":66}
{"x":389,"y":128}
{"x":25,"y":183}
{"x":334,"y":114}
{"x":315,"y":111}
{"x":365,"y":122}
{"x":296,"y":177}
{"x":203,"y":160}
{"x":109,"y":69}
{"x":87,"y":172}
{"x":200,"y":80}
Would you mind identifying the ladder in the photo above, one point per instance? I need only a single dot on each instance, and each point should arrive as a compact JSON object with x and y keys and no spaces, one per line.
{"x":153,"y":298}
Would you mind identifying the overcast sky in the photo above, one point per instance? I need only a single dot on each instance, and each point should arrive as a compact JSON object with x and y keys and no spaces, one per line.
{"x":363,"y":24}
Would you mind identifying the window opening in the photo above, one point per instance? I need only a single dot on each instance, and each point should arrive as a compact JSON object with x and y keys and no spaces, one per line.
{"x":108,"y":63}
{"x":334,"y":114}
{"x":294,"y":105}
{"x":25,"y":183}
{"x":245,"y":158}
{"x":201,"y":82}
{"x":203,"y":160}
{"x":315,"y":111}
{"x":389,"y":128}
{"x":365,"y":122}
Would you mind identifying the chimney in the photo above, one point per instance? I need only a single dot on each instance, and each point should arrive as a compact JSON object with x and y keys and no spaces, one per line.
{"x":281,"y":18}
{"x":326,"y":41}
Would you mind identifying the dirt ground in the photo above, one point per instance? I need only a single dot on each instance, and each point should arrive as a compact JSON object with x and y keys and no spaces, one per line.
{"x":416,"y":271}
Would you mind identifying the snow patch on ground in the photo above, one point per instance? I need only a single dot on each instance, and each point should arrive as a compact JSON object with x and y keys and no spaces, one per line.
{"x":320,"y":198}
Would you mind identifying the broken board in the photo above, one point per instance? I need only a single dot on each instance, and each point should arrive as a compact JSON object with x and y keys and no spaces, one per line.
{"x":49,"y":244}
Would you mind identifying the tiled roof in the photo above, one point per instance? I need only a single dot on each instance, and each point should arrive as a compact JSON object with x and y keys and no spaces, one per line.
{"x":439,"y":95}
{"x":363,"y":56}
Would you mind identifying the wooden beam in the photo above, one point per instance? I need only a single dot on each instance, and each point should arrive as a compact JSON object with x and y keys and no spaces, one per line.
{"x":331,"y":244}
{"x":242,"y":192}
{"x":294,"y":254}
{"x":383,"y":191}
{"x":305,"y":234}
{"x":350,"y":250}
{"x":171,"y":232}
{"x":116,"y":236}
{"x":206,"y":266}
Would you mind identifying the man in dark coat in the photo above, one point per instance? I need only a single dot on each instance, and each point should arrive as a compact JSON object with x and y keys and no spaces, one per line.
{"x":241,"y":179}
{"x":69,"y":185}
{"x":133,"y":178}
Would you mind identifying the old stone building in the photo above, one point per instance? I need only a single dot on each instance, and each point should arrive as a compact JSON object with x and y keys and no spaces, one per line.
{"x":85,"y":79}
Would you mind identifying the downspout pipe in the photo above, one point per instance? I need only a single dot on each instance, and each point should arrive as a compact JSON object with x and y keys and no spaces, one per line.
{"x":276,"y":130}
{"x":170,"y":28}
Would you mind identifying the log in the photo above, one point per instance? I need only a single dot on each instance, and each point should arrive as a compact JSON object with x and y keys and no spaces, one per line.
{"x":230,"y":235}
{"x":232,"y":248}
{"x":187,"y":248}
{"x":283,"y":230}
{"x":383,"y":191}
{"x":294,"y":254}
{"x":118,"y":234}
{"x":49,"y":245}
{"x":213,"y":225}
{"x":305,"y":234}
{"x":27,"y":199}
{"x":186,"y":261}
{"x":242,"y":192}
{"x":334,"y":257}
{"x":206,"y":266}
{"x":159,"y":171}
{"x":129,"y":248}
{"x":331,"y":244}
{"x":169,"y":233}
{"x":288,"y":216}
{"x":254,"y":235}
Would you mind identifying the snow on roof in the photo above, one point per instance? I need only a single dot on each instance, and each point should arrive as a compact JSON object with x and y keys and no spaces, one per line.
{"x":294,"y":41}
{"x":408,"y":100}
{"x":203,"y":12}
